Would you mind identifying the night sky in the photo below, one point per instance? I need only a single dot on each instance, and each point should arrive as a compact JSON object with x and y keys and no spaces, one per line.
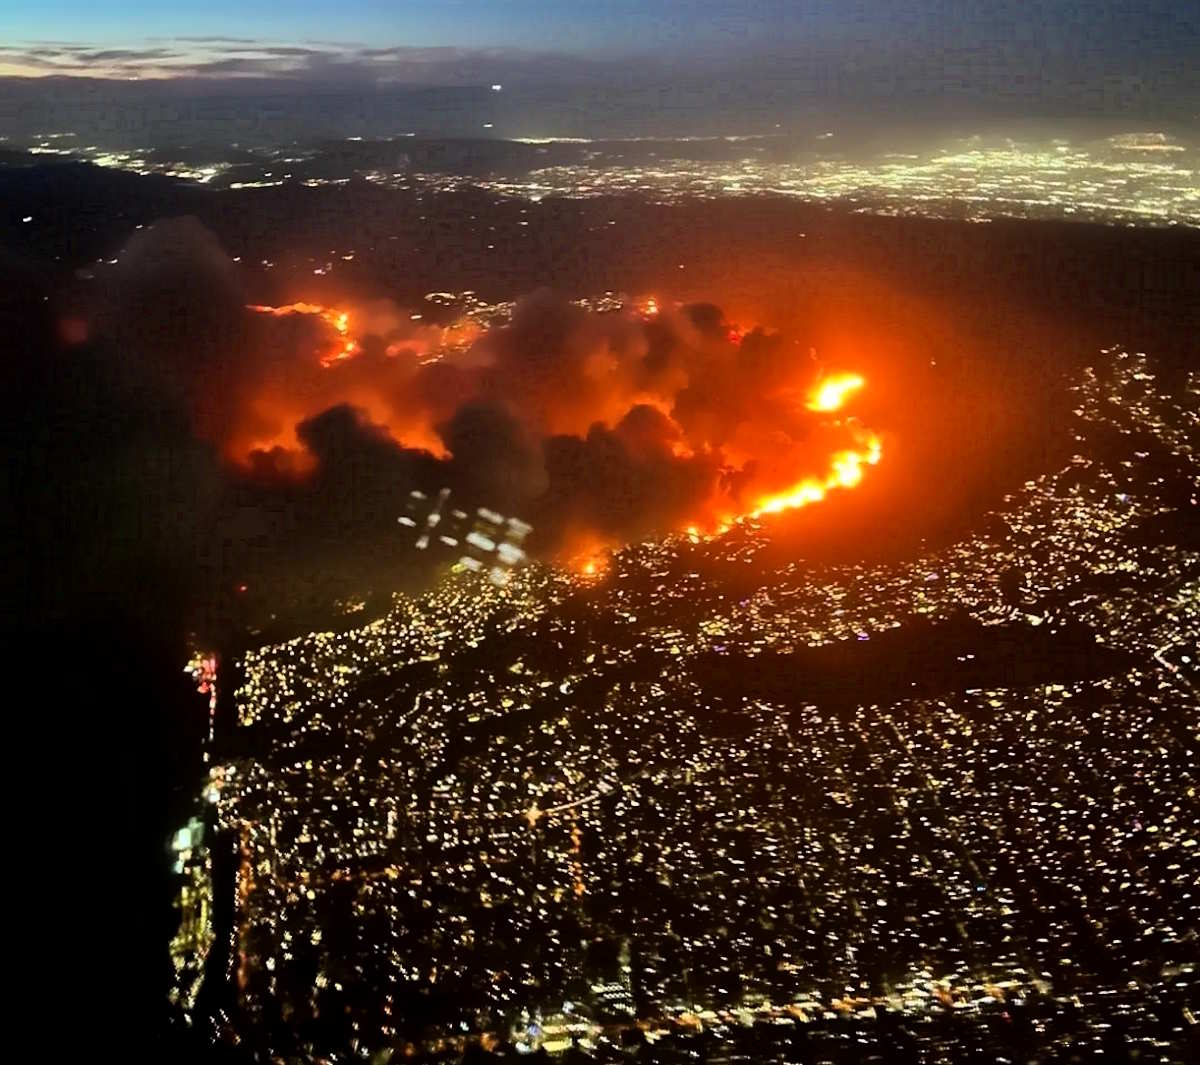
{"x":385,"y":40}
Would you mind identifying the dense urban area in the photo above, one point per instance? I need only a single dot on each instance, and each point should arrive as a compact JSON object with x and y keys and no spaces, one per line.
{"x":1144,"y":178}
{"x":686,"y":802}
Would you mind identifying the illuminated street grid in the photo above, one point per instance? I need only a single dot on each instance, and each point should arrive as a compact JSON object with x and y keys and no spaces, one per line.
{"x":451,"y":806}
{"x":969,"y":181}
{"x":1145,"y":179}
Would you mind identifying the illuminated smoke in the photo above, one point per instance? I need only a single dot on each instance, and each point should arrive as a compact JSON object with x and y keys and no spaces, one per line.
{"x":612,"y":426}
{"x":339,"y":321}
{"x":597,"y":428}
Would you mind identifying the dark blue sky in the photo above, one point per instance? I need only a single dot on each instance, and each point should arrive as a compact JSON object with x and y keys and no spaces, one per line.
{"x":611,"y":26}
{"x":1092,"y":53}
{"x":575,"y":25}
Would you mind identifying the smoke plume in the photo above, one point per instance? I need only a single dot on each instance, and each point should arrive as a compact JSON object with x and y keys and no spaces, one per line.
{"x":620,"y":424}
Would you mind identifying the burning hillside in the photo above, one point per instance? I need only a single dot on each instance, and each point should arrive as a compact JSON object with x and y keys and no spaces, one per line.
{"x":598,"y":423}
{"x":618,"y":424}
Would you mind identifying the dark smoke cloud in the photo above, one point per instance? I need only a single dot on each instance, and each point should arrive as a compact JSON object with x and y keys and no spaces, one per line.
{"x":106,"y":483}
{"x":614,"y":426}
{"x":626,"y":481}
{"x":560,"y":367}
{"x":496,"y":459}
{"x":173,"y":307}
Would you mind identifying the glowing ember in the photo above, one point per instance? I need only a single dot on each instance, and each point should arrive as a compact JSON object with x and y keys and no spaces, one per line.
{"x":831,"y":393}
{"x":589,"y":564}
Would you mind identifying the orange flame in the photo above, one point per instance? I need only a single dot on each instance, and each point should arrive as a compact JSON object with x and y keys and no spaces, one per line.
{"x":339,"y":321}
{"x":590,"y":560}
{"x":845,"y":467}
{"x":846,"y":471}
{"x":831,"y":393}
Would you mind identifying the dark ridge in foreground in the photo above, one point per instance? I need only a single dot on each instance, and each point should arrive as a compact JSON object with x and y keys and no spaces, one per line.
{"x":921,"y":659}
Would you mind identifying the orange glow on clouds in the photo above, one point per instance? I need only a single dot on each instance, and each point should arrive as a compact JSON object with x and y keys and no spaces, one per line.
{"x":344,"y":346}
{"x":786,"y":468}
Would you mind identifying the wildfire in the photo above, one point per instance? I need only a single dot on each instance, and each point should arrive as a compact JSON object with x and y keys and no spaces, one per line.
{"x":746,"y":466}
{"x":589,"y":562}
{"x":831,"y":393}
{"x":846,"y":471}
{"x":846,"y":467}
{"x":339,"y":321}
